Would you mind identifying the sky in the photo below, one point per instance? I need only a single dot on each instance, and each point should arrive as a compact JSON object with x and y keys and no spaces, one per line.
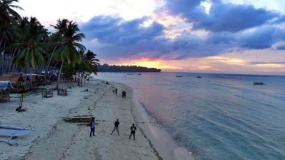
{"x":211,"y":36}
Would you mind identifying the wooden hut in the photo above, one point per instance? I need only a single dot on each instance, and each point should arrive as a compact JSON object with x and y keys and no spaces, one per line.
{"x":41,"y":79}
{"x":4,"y":96}
{"x":34,"y":80}
{"x":16,"y":80}
{"x":53,"y":78}
{"x":27,"y":81}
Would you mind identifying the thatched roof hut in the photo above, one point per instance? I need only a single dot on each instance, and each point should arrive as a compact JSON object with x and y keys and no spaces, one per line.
{"x":41,"y":79}
{"x":16,"y":80}
{"x":13,"y":78}
{"x":34,"y":79}
{"x":27,"y":81}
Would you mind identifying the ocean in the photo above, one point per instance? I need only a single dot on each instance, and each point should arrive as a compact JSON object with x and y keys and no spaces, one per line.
{"x":217,"y":116}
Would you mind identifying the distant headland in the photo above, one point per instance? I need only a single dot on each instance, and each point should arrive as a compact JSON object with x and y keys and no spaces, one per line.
{"x":114,"y":68}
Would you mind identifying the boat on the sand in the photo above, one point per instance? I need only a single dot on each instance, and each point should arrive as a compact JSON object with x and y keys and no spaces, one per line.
{"x":78,"y":119}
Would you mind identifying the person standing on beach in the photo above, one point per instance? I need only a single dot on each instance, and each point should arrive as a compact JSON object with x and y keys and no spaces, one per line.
{"x":116,"y":90}
{"x":133,"y":131}
{"x":116,"y":127}
{"x":92,"y":126}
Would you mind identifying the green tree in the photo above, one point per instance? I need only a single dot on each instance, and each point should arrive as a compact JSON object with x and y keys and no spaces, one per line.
{"x":29,"y":42}
{"x":7,"y":14}
{"x":7,"y":17}
{"x":54,"y":40}
{"x":91,"y":58}
{"x":69,"y":46}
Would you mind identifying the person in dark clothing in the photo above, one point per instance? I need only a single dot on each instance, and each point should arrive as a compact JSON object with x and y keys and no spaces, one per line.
{"x":116,"y":127}
{"x":133,"y":131}
{"x":124,"y":94}
{"x":92,"y":126}
{"x":116,"y":90}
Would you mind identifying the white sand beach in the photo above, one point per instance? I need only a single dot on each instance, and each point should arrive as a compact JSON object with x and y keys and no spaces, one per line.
{"x":53,"y":138}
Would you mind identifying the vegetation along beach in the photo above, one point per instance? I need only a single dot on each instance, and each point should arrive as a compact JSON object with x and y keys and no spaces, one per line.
{"x":142,"y":80}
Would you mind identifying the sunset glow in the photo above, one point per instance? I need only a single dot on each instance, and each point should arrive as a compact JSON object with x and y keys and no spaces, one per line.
{"x":166,"y":35}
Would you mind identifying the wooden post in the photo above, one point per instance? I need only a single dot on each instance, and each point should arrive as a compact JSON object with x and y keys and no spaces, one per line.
{"x":21,"y":101}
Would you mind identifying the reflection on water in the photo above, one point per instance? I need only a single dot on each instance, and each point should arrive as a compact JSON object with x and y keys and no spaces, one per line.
{"x":217,"y":116}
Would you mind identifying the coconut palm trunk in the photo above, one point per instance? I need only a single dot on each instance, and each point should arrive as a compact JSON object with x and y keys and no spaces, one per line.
{"x":47,"y":68}
{"x":10,"y":63}
{"x":58,"y":78}
{"x":31,"y":80}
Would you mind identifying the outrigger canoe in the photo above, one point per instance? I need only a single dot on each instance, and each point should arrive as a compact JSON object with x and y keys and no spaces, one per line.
{"x":78,"y":119}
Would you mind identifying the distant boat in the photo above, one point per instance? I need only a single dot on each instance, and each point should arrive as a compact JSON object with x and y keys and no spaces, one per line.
{"x":199,"y":77}
{"x":178,"y":76}
{"x":258,"y":83}
{"x":139,"y":74}
{"x":130,"y":74}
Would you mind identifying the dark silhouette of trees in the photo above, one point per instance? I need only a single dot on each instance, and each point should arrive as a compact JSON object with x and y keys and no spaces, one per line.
{"x":113,"y":68}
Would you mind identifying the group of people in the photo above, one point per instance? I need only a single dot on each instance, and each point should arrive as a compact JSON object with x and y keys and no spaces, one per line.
{"x":124,"y":93}
{"x":115,"y":90}
{"x":116,"y":128}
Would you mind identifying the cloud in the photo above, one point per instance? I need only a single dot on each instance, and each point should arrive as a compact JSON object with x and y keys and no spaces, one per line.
{"x":115,"y":38}
{"x":222,"y":17}
{"x":261,"y":38}
{"x":282,"y":47}
{"x":255,"y":63}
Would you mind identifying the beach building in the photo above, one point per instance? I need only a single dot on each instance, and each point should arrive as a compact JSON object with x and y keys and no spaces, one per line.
{"x":41,"y":79}
{"x":5,"y":86}
{"x":27,"y":82}
{"x":34,"y":79}
{"x":17,"y":81}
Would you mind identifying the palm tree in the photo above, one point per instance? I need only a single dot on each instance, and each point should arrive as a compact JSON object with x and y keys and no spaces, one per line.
{"x":69,"y":46}
{"x":7,"y":16}
{"x":85,"y":65}
{"x":91,"y":58}
{"x":61,"y":26}
{"x":31,"y":53}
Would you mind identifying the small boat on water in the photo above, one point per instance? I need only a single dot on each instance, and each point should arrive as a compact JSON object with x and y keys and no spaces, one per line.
{"x":258,"y":83}
{"x":199,"y":77}
{"x":139,"y":74}
{"x":178,"y":76}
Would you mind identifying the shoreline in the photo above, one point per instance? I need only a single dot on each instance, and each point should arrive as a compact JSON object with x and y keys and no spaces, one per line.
{"x":161,"y":139}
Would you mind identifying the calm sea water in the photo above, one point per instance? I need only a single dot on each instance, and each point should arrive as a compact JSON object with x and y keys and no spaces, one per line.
{"x":218,"y":116}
